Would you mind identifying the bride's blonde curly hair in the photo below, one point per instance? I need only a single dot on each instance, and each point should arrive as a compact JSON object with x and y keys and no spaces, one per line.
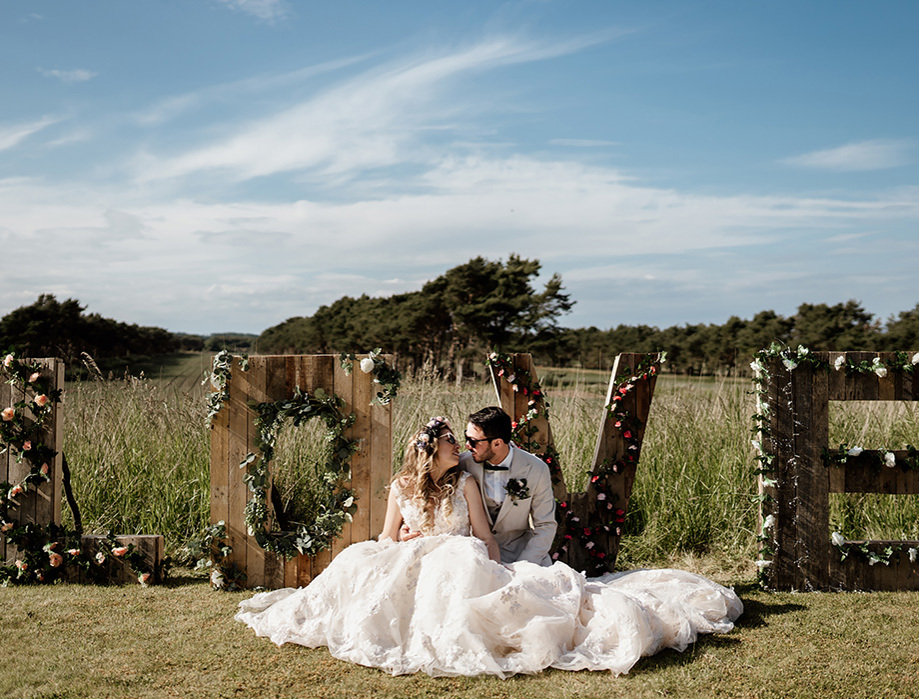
{"x":415,"y":478}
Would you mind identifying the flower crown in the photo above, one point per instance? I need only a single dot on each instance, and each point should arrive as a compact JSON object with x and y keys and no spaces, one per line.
{"x":427,"y":436}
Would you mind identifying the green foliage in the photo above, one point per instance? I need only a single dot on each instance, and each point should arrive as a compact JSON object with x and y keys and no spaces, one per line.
{"x":51,"y":328}
{"x":449,"y":322}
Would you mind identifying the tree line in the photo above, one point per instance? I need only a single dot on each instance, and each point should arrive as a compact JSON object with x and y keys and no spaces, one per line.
{"x":452,"y":321}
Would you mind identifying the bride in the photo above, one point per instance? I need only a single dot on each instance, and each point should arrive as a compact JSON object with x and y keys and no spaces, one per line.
{"x":443,"y":604}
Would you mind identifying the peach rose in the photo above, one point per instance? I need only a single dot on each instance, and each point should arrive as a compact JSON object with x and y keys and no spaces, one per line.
{"x":6,"y":527}
{"x":56,"y":559}
{"x":8,"y":414}
{"x":73,"y":552}
{"x":41,"y":400}
{"x":27,"y":445}
{"x":22,"y":565}
{"x":45,"y":469}
{"x":16,"y":490}
{"x":7,"y":360}
{"x":119,"y":550}
{"x":143,"y":578}
{"x":35,"y":377}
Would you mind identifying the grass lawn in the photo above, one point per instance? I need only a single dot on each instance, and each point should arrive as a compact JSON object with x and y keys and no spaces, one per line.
{"x":180,"y":640}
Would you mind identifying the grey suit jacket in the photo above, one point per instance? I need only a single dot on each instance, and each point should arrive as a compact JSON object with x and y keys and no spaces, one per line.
{"x":524,"y":528}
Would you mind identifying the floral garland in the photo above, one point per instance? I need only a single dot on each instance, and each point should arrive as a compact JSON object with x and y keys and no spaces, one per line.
{"x":524,"y":428}
{"x":614,"y":521}
{"x":791,"y":359}
{"x":336,"y":503}
{"x":46,"y":554}
{"x":386,"y":376}
{"x":211,"y":551}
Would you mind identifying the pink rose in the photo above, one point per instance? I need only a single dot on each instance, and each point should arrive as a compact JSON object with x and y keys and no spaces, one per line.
{"x":35,"y":377}
{"x":143,"y":578}
{"x":7,"y":360}
{"x":73,"y":552}
{"x":56,"y":559}
{"x":41,"y":400}
{"x":7,"y":414}
{"x":119,"y":550}
{"x":45,"y":469}
{"x":26,"y":445}
{"x":16,"y":490}
{"x":22,"y":565}
{"x":100,"y":557}
{"x":6,"y":527}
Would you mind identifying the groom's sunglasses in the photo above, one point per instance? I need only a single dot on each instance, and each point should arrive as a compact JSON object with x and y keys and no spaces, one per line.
{"x":473,"y":442}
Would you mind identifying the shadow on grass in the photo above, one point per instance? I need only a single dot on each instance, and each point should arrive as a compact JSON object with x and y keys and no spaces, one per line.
{"x":756,"y":611}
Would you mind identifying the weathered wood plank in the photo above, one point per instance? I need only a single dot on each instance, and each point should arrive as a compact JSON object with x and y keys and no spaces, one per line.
{"x":238,"y":445}
{"x":343,"y":385}
{"x":360,"y":476}
{"x":380,"y":463}
{"x":812,"y":507}
{"x":256,"y":380}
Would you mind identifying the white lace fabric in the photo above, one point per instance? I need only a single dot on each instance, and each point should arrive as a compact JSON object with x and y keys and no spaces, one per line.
{"x":438,"y":604}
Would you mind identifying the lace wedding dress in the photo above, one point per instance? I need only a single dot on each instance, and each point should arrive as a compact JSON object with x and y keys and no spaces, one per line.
{"x":438,"y":604}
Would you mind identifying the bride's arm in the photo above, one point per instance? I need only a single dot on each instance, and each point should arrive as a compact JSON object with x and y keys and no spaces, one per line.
{"x":479,"y":520}
{"x":393,"y":518}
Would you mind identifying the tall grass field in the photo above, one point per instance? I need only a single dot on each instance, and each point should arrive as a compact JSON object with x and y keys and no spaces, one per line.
{"x":138,"y":449}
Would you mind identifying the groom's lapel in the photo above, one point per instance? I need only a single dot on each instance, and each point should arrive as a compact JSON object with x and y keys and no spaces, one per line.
{"x":518,"y":469}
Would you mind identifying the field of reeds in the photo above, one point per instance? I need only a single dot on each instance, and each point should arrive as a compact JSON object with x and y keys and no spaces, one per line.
{"x":138,"y":449}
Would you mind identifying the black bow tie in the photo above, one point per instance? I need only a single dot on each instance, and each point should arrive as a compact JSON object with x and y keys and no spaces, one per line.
{"x":491,"y":467}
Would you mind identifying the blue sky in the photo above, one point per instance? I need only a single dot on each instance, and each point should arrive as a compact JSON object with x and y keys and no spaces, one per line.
{"x":222,"y":165}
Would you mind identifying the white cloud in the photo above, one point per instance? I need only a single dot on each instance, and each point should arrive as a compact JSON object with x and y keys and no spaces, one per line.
{"x":267,"y":10}
{"x":78,"y":75}
{"x":582,"y":143}
{"x":859,"y":156}
{"x":13,"y":134}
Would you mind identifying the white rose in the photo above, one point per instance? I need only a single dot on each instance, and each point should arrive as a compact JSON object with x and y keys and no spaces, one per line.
{"x":878,"y":368}
{"x":756,"y":366}
{"x":763,"y":564}
{"x":890,"y":459}
{"x":855,"y":451}
{"x":769,"y":522}
{"x":790,"y":364}
{"x":840,"y":362}
{"x":912,"y":555}
{"x":915,"y":359}
{"x":366,"y":365}
{"x":837,"y":539}
{"x":757,"y":446}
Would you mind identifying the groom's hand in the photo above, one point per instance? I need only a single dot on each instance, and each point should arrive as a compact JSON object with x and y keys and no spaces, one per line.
{"x":406,"y":534}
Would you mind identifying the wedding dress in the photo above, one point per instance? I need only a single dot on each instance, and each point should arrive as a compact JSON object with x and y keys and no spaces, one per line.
{"x":438,"y":604}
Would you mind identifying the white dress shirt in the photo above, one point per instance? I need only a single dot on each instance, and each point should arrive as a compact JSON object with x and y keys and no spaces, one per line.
{"x":495,"y":482}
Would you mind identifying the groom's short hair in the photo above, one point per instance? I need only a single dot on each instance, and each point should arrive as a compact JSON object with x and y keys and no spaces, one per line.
{"x":494,"y":422}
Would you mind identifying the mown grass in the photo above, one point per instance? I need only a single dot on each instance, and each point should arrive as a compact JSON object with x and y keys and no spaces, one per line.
{"x":180,"y":640}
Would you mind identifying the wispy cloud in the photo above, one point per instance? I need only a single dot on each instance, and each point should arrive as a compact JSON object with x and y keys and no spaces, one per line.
{"x":78,"y":75}
{"x":858,"y":156}
{"x":266,"y":10}
{"x":370,"y":121}
{"x":177,"y":105}
{"x":31,"y":17}
{"x":12,"y":135}
{"x":583,"y":143}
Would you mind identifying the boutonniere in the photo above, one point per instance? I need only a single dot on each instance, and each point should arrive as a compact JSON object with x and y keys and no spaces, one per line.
{"x":517,"y":489}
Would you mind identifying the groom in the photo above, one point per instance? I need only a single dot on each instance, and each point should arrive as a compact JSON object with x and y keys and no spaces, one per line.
{"x":516,"y":488}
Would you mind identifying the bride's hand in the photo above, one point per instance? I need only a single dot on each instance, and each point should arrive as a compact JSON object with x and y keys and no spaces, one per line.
{"x":406,"y":534}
